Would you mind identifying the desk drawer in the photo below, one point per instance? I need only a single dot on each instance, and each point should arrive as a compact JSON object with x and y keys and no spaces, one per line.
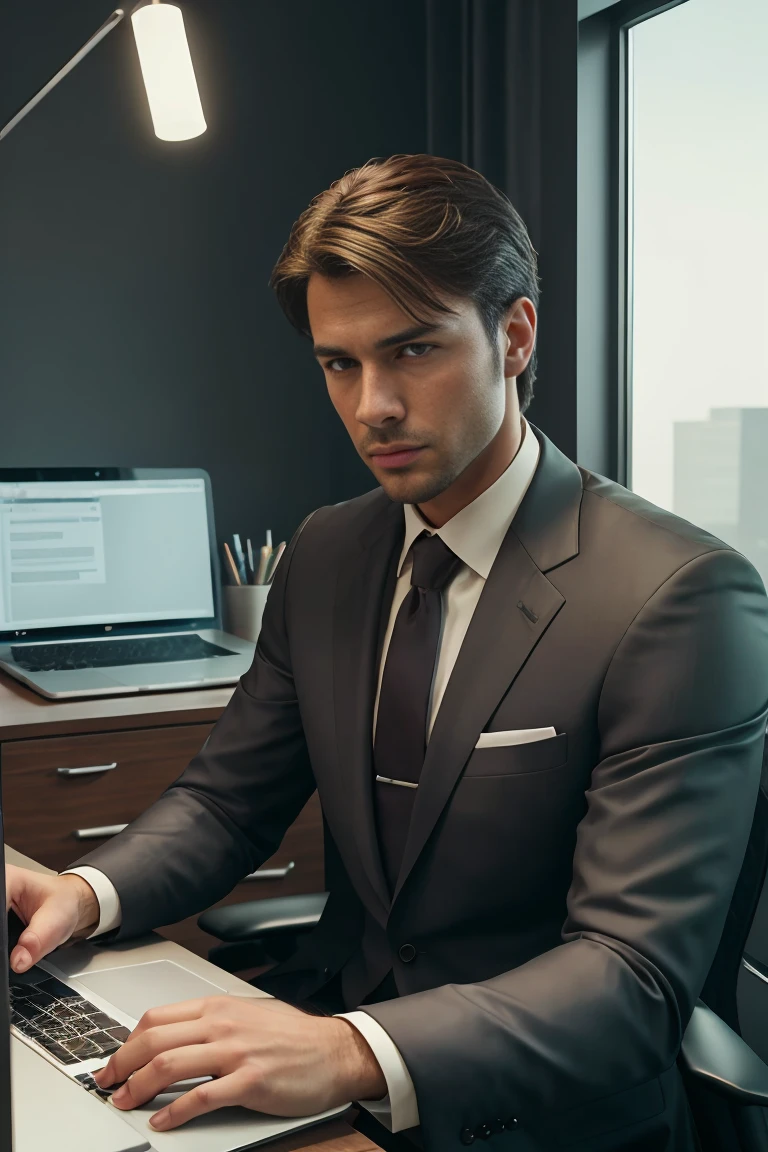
{"x":56,"y":787}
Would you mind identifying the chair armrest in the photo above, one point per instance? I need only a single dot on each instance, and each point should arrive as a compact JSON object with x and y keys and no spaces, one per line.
{"x":261,"y":919}
{"x":713,"y":1053}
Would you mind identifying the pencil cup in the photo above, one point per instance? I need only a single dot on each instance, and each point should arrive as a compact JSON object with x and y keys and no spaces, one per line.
{"x":244,"y":608}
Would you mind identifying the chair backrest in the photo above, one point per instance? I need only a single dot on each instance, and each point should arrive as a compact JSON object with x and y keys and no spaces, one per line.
{"x":719,"y":991}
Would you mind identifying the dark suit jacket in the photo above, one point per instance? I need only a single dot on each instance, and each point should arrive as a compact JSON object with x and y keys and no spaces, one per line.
{"x":565,"y":898}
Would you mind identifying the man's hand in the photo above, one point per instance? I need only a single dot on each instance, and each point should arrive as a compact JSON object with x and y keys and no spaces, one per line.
{"x":54,"y":908}
{"x":262,"y":1053}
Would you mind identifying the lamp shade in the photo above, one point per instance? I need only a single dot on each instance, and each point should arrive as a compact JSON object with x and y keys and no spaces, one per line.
{"x":166,"y":67}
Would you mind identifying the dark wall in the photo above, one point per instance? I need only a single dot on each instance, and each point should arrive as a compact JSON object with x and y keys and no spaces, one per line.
{"x":136,"y":322}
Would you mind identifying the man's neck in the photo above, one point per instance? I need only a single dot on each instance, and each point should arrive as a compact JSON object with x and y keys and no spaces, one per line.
{"x":484,"y":471}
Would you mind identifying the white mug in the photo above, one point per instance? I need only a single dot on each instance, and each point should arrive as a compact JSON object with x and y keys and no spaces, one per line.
{"x":244,"y":608}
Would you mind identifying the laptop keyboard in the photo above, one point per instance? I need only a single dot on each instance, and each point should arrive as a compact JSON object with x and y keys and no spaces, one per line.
{"x":58,"y":1018}
{"x":108,"y":653}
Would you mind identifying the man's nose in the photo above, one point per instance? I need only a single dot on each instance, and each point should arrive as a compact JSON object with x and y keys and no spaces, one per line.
{"x":379,"y":400}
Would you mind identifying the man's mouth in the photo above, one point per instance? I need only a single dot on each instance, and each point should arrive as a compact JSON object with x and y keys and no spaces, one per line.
{"x":395,"y":456}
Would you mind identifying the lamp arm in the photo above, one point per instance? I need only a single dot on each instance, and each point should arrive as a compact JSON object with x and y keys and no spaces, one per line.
{"x":97,"y":37}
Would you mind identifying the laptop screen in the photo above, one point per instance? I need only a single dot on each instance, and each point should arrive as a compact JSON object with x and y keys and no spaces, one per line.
{"x":75,"y":553}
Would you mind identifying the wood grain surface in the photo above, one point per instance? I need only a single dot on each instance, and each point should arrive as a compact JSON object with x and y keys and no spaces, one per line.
{"x":25,"y":715}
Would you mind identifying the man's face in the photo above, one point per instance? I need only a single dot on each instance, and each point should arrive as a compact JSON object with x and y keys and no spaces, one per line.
{"x":423,"y":406}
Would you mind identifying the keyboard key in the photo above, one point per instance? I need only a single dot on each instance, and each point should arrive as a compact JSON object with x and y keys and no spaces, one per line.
{"x":61,"y":1054}
{"x":28,"y":1011}
{"x":85,"y":1008}
{"x":55,"y":988}
{"x":101,"y":1020}
{"x":107,"y":1044}
{"x":33,"y":975}
{"x":82,"y":1048}
{"x":60,"y":1032}
{"x":27,"y":1028}
{"x":62,"y":1012}
{"x":42,"y":999}
{"x":119,"y":1033}
{"x":88,"y":1082}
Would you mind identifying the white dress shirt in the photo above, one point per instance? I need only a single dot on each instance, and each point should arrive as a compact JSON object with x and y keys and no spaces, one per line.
{"x":474,"y":534}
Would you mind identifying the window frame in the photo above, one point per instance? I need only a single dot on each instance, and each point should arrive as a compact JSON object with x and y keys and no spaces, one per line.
{"x":604,"y":233}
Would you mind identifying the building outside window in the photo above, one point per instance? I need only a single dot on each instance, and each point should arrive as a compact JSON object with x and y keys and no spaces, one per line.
{"x":699,"y":268}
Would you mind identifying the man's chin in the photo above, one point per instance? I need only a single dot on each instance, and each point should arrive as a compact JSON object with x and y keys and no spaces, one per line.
{"x":405,"y":489}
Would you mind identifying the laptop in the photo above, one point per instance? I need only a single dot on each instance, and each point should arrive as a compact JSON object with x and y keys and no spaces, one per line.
{"x":109,"y":582}
{"x":60,"y":1021}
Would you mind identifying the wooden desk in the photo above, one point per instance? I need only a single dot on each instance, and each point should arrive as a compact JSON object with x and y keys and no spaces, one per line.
{"x":332,"y":1136}
{"x":139,"y":744}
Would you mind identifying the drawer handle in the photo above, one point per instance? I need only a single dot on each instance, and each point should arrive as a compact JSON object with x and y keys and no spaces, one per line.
{"x":89,"y":768}
{"x":271,"y":873}
{"x":97,"y":833}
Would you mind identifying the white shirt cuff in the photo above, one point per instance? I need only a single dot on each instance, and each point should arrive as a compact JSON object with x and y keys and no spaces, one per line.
{"x":398,"y":1109}
{"x":110,"y":912}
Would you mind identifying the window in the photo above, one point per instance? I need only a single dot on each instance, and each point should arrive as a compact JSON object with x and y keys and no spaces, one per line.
{"x":698,"y":270}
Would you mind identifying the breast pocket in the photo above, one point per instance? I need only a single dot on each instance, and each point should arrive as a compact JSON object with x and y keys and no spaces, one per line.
{"x":517,"y":759}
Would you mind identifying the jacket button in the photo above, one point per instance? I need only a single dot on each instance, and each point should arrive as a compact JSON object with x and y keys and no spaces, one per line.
{"x":407,"y":952}
{"x":512,"y":1123}
{"x":497,"y":1126}
{"x":484,"y":1131}
{"x":467,"y":1136}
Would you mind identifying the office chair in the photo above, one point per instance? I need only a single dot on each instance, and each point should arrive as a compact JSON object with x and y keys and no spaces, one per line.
{"x":725,"y":1079}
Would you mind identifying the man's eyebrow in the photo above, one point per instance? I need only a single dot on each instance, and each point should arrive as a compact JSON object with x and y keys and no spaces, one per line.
{"x":387,"y":342}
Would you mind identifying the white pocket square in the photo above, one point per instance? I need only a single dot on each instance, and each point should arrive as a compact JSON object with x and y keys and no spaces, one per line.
{"x":514,"y":736}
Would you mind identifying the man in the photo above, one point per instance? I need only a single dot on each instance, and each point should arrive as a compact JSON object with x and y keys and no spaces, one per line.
{"x":533,"y":706}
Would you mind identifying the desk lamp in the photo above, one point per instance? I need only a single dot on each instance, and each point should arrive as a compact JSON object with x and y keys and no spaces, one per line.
{"x":166,"y":68}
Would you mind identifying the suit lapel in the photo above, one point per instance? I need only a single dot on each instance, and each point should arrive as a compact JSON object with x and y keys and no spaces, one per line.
{"x":515,"y":608}
{"x":364,"y":590}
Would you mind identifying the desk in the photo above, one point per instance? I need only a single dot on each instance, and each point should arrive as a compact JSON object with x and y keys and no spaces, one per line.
{"x":141,"y":743}
{"x":333,"y":1136}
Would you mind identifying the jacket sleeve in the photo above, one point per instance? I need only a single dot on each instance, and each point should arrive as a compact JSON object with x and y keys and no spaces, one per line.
{"x":228,"y":811}
{"x":682,"y":720}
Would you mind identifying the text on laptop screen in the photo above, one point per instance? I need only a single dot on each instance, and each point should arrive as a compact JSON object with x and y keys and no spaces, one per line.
{"x":103,"y":552}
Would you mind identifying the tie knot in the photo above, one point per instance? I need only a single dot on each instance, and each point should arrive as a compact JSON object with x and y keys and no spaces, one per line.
{"x":433,"y":563}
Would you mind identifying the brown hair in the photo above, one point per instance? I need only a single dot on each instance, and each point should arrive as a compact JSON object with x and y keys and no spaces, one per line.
{"x":416,"y":225}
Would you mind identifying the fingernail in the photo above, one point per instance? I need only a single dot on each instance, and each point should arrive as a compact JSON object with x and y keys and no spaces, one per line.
{"x":160,"y":1119}
{"x":120,"y":1096}
{"x":23,"y":961}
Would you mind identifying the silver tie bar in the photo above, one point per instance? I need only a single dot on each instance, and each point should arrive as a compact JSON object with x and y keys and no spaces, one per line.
{"x":389,"y":780}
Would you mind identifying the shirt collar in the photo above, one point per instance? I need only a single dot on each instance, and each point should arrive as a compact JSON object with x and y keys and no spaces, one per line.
{"x":476,"y":532}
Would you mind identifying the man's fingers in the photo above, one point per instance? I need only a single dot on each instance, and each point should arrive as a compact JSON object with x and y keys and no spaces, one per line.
{"x":167,"y":1068}
{"x":139,"y":1050}
{"x":233,"y":1089}
{"x":48,"y":906}
{"x":50,"y":926}
{"x":170,"y":1014}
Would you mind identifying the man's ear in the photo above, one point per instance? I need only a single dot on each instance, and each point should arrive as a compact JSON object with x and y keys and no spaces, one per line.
{"x":520,"y":330}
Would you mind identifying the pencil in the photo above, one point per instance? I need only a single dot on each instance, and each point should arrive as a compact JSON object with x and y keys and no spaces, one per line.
{"x":232,"y":564}
{"x":266,"y":552}
{"x":275,"y":560}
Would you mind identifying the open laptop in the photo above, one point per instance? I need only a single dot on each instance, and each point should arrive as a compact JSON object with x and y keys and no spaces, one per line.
{"x":63,"y":1019}
{"x":109,"y":582}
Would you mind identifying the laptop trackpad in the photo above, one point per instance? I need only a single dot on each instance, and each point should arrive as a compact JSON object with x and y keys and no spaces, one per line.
{"x":136,"y":988}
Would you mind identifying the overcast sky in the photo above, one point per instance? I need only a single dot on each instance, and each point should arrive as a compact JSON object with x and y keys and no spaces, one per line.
{"x":701,"y":223}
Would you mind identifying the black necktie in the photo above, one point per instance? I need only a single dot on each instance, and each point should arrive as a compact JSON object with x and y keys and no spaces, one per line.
{"x":400,"y":742}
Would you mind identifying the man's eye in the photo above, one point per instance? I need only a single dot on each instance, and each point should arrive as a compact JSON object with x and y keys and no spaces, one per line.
{"x":422,"y":346}
{"x":346,"y":360}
